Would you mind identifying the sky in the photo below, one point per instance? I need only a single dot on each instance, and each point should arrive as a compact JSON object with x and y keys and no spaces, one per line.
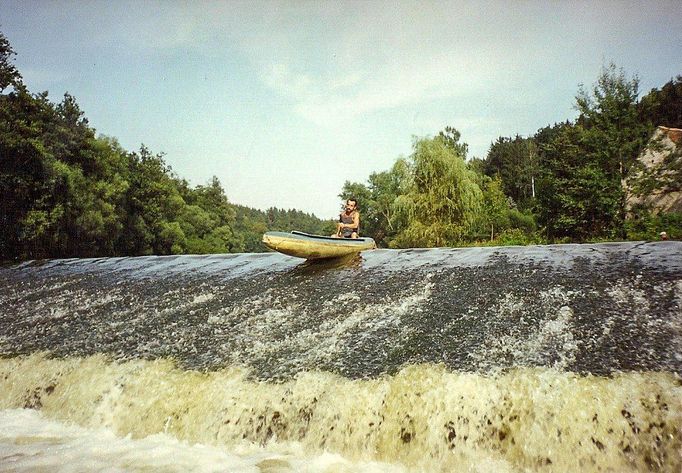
{"x":284,"y":101}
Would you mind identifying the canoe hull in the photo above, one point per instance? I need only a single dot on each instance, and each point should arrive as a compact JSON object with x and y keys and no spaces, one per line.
{"x":303,"y":245}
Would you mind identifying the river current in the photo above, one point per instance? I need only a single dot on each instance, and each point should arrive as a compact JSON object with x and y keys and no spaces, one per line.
{"x":540,"y":358}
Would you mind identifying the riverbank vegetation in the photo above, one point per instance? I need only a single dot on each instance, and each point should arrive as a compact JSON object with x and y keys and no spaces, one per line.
{"x":67,"y":192}
{"x":566,"y":183}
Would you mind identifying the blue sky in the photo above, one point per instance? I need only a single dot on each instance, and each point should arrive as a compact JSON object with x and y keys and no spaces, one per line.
{"x":284,"y":101}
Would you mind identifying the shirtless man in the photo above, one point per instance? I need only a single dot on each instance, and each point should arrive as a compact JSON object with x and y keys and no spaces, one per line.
{"x":349,"y":221}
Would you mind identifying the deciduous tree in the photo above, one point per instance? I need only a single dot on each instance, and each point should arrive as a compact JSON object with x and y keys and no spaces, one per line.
{"x":443,"y":198}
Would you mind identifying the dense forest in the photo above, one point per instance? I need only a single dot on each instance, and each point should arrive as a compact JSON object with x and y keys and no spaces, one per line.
{"x":67,"y":192}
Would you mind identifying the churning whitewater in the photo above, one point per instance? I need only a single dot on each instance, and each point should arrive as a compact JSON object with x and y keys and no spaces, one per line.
{"x":545,"y":358}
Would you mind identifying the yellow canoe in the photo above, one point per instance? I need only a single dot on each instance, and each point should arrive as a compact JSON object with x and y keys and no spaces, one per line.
{"x":304,"y":245}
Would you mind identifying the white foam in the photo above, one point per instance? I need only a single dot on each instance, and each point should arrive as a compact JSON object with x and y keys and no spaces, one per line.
{"x":267,"y":331}
{"x":424,"y":418}
{"x":551,"y":339}
{"x":29,"y":442}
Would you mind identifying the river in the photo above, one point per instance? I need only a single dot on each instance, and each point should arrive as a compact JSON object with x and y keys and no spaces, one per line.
{"x":510,"y":359}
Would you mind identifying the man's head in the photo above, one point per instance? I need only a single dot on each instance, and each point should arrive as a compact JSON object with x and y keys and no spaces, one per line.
{"x":351,"y":204}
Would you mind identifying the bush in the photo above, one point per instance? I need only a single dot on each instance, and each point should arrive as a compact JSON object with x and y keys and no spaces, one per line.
{"x":516,"y":236}
{"x":522,"y":221}
{"x":647,"y":226}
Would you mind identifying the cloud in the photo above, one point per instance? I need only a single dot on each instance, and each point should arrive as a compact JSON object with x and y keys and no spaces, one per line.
{"x":281,"y":79}
{"x":378,"y":58}
{"x":345,"y":95}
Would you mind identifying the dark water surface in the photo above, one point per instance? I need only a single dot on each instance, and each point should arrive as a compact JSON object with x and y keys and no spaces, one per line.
{"x":596,"y":309}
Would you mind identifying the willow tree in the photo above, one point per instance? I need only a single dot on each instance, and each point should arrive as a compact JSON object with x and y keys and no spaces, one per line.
{"x":442,"y":200}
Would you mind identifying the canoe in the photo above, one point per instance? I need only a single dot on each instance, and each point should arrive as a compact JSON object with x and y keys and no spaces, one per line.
{"x":304,"y":245}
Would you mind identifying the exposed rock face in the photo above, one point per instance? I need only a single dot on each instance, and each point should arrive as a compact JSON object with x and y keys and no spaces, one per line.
{"x":656,"y":185}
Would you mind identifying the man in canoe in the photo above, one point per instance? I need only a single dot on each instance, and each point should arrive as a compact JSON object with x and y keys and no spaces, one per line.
{"x":349,"y":221}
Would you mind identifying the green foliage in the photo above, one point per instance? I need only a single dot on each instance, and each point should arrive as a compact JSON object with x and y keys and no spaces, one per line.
{"x":376,"y":201}
{"x":567,"y":178}
{"x":477,"y":165}
{"x":516,"y":237}
{"x":442,"y":202}
{"x":613,"y":134}
{"x":250,"y":224}
{"x":171,"y":238}
{"x":580,"y":192}
{"x":54,"y":167}
{"x":515,"y":161}
{"x":573,"y":192}
{"x":65,"y":192}
{"x":523,"y":221}
{"x":8,"y":71}
{"x":495,"y":212}
{"x":498,"y":217}
{"x":663,"y":107}
{"x":434,"y":198}
{"x":648,"y":226}
{"x":450,"y":137}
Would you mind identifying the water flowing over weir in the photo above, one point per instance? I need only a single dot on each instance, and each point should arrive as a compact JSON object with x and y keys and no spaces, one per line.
{"x":544,"y":358}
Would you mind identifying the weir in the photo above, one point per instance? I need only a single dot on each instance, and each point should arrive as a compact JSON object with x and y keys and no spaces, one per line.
{"x":547,"y":358}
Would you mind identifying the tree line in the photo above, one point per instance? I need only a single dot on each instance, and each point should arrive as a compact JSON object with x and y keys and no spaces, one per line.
{"x":564,"y":183}
{"x":65,"y":192}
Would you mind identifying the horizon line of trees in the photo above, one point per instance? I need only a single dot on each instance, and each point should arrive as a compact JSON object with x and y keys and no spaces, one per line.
{"x":65,"y":192}
{"x":565,"y":183}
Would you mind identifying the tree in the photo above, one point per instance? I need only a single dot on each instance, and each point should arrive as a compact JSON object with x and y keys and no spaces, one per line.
{"x":575,"y":195}
{"x":663,"y":107}
{"x":495,"y":207}
{"x":614,"y":135}
{"x":443,"y":198}
{"x":611,"y":137}
{"x":583,"y":165}
{"x":65,"y":192}
{"x":62,"y":189}
{"x":515,"y":161}
{"x":450,"y":137}
{"x":152,"y":202}
{"x":9,"y":75}
{"x":376,"y":201}
{"x":386,"y":188}
{"x":24,"y":169}
{"x":363,"y":195}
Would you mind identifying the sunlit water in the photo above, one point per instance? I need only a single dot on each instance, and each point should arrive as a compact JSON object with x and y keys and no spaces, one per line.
{"x":562,"y":358}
